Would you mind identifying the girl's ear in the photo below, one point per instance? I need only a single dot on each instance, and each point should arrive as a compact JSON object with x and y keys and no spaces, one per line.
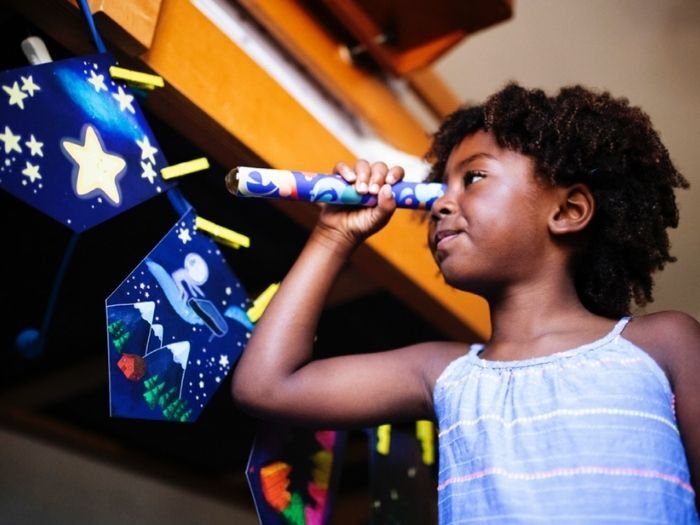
{"x":576,"y":206}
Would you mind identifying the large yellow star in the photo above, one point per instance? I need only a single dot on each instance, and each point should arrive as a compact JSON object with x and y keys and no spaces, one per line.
{"x":97,"y":170}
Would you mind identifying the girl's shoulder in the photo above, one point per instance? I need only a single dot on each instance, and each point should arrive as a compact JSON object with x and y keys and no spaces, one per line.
{"x":437,"y":355}
{"x":671,"y":338}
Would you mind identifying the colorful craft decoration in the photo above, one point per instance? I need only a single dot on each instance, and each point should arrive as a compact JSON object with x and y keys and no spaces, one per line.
{"x":293,"y":474}
{"x":320,"y":187}
{"x":402,"y":474}
{"x":74,"y":143}
{"x":175,"y":327}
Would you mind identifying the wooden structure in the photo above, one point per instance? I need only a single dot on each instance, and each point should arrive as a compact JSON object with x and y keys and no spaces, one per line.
{"x":230,"y":107}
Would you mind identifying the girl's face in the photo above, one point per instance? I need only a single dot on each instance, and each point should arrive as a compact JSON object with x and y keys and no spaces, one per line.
{"x":489,"y":230}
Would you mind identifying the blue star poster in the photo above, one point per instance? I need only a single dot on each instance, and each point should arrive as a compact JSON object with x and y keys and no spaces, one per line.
{"x":74,"y":144}
{"x":175,"y":327}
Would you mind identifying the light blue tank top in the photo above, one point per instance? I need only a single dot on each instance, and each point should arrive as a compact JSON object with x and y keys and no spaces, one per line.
{"x":584,"y":436}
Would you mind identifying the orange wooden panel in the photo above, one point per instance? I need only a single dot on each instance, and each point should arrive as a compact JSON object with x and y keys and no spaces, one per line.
{"x":212,"y":72}
{"x":133,"y":21}
{"x":433,"y":92}
{"x":318,"y":49}
{"x":415,"y":33}
{"x":372,"y":35}
{"x":226,"y":104}
{"x":128,"y":26}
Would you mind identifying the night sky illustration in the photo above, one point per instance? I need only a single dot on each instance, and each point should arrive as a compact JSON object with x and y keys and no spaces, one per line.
{"x":74,"y":143}
{"x":176,"y":326}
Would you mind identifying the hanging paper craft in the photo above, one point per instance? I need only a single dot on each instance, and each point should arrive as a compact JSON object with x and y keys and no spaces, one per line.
{"x":74,"y":143}
{"x":175,"y":327}
{"x":402,"y":476}
{"x":293,"y":474}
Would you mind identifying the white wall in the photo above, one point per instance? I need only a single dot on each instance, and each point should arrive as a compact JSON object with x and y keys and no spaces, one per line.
{"x":41,"y":484}
{"x":646,"y":50}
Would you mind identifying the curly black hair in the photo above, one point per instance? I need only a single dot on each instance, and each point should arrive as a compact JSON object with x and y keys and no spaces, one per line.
{"x":583,"y":136}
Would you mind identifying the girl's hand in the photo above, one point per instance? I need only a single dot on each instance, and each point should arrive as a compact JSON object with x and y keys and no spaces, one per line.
{"x":348,"y":225}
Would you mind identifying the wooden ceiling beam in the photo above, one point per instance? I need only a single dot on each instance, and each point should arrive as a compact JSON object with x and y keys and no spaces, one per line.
{"x":230,"y":107}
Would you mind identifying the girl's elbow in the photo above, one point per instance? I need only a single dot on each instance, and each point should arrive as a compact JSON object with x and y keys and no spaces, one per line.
{"x":243,"y":392}
{"x":251,"y":396}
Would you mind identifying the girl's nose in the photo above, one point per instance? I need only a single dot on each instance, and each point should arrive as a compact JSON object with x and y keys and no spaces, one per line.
{"x":442,"y":207}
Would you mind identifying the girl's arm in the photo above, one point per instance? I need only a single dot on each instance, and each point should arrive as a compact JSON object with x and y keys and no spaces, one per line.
{"x":276,"y":375}
{"x":673,"y":340}
{"x":683,"y":336}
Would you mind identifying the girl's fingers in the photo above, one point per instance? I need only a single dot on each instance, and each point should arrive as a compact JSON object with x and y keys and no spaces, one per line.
{"x":378,"y":172}
{"x":394,"y":175}
{"x":369,"y":178}
{"x":362,"y":170}
{"x":385,"y":199}
{"x":345,"y":171}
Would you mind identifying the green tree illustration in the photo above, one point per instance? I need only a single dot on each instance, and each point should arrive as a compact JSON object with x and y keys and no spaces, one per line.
{"x":119,"y":334}
{"x":177,"y":411}
{"x":172,"y":407}
{"x":153,"y":391}
{"x":294,"y":513}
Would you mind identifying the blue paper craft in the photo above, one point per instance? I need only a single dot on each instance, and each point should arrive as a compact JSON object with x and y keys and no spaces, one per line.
{"x":175,"y":327}
{"x":403,"y":478}
{"x":293,"y":474}
{"x":74,"y":144}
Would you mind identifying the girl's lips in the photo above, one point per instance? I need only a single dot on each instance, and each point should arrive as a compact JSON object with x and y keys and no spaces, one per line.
{"x":443,"y":237}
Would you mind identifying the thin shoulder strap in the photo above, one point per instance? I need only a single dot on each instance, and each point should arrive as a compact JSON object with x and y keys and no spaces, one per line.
{"x":620,"y":326}
{"x":475,"y":348}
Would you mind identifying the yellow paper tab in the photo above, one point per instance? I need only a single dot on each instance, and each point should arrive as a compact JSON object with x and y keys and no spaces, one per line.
{"x":425,"y":432}
{"x":147,"y":87}
{"x":136,"y":77}
{"x":323,"y":464}
{"x":184,"y":168}
{"x":259,"y":305}
{"x":223,"y":234}
{"x":383,"y":439}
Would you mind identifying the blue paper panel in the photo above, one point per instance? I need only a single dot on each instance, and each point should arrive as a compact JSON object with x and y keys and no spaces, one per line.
{"x":74,"y":143}
{"x":175,"y":327}
{"x":403,"y":485}
{"x":293,"y":474}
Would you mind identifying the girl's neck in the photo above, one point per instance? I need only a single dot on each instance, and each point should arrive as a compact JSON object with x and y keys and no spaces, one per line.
{"x":540,"y":319}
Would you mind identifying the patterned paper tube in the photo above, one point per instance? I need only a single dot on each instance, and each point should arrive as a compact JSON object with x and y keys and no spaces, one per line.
{"x":322,"y":187}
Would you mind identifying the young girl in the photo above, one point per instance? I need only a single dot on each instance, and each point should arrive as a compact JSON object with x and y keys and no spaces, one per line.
{"x":556,"y":212}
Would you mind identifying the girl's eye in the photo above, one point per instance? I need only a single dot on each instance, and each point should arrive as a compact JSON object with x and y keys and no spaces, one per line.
{"x":473,"y":176}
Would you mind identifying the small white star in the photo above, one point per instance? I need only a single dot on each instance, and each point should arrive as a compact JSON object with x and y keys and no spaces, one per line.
{"x":147,"y":151}
{"x":32,"y":172}
{"x":124,"y":100}
{"x":11,"y":141}
{"x":184,"y":235}
{"x":97,"y":170}
{"x":16,"y":95}
{"x":148,"y":172}
{"x":29,"y":86}
{"x":223,"y":360}
{"x":97,"y":81}
{"x":35,"y":146}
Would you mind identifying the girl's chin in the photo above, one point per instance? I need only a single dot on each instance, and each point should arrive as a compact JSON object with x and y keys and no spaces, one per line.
{"x":451,"y":277}
{"x":459,"y":278}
